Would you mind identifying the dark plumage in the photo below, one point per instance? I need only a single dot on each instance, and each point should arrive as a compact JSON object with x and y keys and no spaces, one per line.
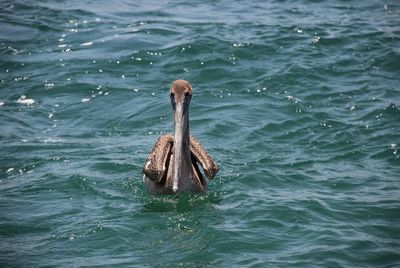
{"x":172,"y":164}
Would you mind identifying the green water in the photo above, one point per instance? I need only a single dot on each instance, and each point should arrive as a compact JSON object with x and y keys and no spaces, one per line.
{"x":297,"y":101}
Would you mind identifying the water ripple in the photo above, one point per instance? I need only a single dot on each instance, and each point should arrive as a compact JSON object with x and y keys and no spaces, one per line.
{"x":297,"y":103}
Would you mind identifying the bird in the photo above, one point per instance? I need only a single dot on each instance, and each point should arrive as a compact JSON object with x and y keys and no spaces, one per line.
{"x":172,"y":165}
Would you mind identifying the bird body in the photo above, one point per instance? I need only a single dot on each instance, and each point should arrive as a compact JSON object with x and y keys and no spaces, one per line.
{"x":172,"y":164}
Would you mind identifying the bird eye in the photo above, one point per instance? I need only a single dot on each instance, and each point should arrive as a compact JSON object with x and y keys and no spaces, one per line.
{"x":186,"y":94}
{"x":172,"y":95}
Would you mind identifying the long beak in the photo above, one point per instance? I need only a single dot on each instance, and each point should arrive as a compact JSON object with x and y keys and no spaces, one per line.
{"x":181,"y":127}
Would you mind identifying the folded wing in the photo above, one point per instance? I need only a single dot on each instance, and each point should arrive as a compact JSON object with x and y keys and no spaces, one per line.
{"x":155,"y":165}
{"x":209,"y":166}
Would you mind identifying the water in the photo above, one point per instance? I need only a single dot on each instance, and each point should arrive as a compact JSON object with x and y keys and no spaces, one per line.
{"x":298,"y":103}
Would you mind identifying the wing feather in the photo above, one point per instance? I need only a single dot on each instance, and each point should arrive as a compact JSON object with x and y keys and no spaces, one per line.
{"x":209,"y":166}
{"x":155,"y":165}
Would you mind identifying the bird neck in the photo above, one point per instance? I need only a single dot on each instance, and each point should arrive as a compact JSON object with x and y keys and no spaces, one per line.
{"x":182,"y":160}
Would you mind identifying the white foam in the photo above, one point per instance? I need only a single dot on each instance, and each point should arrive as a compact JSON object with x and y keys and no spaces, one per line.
{"x":85,"y":100}
{"x":316,"y":39}
{"x":9,"y":170}
{"x":49,"y":85}
{"x":86,"y":44}
{"x":24,"y":100}
{"x":1,"y":103}
{"x":53,"y":140}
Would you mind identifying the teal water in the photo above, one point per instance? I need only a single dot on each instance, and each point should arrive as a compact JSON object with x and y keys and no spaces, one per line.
{"x":297,"y":101}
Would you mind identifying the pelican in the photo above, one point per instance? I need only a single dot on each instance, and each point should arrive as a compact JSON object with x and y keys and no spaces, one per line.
{"x":172,"y":164}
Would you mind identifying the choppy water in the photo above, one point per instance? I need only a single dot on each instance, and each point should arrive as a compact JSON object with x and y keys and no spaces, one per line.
{"x":298,"y":102}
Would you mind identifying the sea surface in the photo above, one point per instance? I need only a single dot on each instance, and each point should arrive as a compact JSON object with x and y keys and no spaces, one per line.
{"x":297,"y":101}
